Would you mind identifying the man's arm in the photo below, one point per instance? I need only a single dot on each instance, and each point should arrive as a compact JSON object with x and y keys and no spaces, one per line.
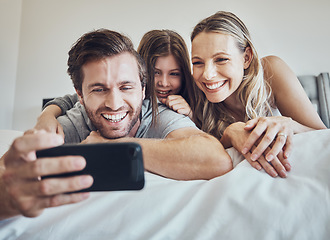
{"x":185,"y":154}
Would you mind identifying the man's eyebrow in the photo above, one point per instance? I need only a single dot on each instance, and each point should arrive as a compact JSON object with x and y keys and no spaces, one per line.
{"x":127,"y":82}
{"x":95,"y":85}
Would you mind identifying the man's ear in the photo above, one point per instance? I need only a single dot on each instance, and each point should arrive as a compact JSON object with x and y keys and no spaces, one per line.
{"x":248,"y":56}
{"x":80,"y":96}
{"x":143,"y":93}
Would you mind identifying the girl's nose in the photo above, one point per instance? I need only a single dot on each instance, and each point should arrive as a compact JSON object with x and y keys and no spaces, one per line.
{"x":162,"y":81}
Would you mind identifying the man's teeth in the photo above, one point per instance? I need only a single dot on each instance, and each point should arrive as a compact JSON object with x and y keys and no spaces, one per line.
{"x":114,"y":117}
{"x":214,"y":85}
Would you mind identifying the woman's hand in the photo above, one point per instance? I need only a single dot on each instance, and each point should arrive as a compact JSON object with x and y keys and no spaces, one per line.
{"x":178,"y":104}
{"x":269,"y":132}
{"x":236,"y":136}
{"x":47,"y":120}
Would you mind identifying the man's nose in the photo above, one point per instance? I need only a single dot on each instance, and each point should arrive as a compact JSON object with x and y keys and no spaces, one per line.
{"x":209,"y":71}
{"x":114,"y":100}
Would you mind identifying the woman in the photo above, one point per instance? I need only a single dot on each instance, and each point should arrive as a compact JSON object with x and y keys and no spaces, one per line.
{"x":240,"y":97}
{"x":169,"y":78}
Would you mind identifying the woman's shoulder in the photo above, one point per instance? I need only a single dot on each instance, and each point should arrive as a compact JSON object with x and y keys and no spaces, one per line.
{"x":271,"y":61}
{"x":274,"y":67}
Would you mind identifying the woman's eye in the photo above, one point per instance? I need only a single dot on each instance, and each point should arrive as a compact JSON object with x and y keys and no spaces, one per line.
{"x":221,"y":60}
{"x":157,"y":72}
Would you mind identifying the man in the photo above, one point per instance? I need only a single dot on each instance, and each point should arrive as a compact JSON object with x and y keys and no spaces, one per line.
{"x":109,"y":78}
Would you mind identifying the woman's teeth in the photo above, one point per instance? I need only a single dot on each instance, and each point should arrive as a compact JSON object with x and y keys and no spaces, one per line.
{"x":114,"y":117}
{"x":214,"y":85}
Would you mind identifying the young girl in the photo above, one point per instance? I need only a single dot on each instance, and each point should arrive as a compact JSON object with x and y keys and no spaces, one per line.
{"x":168,"y":66}
{"x":240,"y":97}
{"x":169,"y":78}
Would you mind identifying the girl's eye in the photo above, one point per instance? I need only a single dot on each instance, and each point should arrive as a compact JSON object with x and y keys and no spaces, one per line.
{"x":176,"y":74}
{"x":157,"y":72}
{"x":197,"y":63}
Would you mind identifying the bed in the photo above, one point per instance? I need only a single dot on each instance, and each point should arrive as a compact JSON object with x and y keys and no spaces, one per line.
{"x":243,"y":204}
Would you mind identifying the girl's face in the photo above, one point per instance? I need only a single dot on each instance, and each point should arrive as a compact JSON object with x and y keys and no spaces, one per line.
{"x":168,"y":77}
{"x":218,"y":65}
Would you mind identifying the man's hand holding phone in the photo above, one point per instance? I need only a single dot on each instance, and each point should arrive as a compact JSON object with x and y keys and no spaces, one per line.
{"x":27,"y":194}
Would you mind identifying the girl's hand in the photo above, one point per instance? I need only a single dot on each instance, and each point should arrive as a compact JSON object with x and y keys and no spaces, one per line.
{"x":178,"y":104}
{"x":272,"y":132}
{"x":47,"y":120}
{"x":95,"y":137}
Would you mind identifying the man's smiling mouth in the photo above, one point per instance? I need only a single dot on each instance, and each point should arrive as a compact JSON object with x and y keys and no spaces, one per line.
{"x":114,"y":117}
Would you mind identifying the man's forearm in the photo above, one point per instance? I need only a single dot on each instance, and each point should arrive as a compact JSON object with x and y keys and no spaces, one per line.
{"x":195,"y":156}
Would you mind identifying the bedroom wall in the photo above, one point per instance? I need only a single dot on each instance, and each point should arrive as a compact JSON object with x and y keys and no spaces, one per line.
{"x":10,"y":17}
{"x":296,"y":30}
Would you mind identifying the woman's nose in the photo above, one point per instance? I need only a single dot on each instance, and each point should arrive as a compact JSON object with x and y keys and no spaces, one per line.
{"x":209,"y":71}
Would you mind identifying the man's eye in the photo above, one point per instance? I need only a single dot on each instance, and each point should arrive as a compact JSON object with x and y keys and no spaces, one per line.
{"x":126,"y":88}
{"x":98,"y":90}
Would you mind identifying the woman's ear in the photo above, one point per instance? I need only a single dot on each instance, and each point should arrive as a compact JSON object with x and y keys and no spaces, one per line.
{"x":80,"y":96}
{"x":248,"y":56}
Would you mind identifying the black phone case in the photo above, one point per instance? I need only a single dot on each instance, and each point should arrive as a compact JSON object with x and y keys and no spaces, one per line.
{"x":114,"y":166}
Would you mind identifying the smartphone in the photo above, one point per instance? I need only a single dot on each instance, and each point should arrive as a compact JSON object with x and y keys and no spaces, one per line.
{"x":114,"y":166}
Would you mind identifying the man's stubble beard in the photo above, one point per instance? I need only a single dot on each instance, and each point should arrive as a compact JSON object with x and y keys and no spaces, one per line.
{"x":104,"y":132}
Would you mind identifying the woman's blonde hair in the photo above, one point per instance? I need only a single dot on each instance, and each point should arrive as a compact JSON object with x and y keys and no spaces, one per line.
{"x":254,"y":93}
{"x":161,"y":43}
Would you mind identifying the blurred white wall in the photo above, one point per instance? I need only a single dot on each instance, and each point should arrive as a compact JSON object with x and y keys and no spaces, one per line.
{"x":37,"y":34}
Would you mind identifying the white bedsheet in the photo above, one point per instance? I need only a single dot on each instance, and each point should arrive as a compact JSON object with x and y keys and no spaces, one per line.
{"x":243,"y":204}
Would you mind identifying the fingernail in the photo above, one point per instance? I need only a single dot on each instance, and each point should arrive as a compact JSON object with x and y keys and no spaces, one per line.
{"x":273,"y":173}
{"x":283,"y":173}
{"x":86,"y":181}
{"x":269,"y":157}
{"x":79,"y":163}
{"x":245,"y":150}
{"x":287,"y":166}
{"x":258,"y":167}
{"x":254,"y":157}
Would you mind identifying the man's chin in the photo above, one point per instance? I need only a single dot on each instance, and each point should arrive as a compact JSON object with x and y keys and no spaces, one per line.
{"x":113,"y":134}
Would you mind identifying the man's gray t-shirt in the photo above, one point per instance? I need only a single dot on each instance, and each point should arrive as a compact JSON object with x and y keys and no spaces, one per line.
{"x":77,"y":126}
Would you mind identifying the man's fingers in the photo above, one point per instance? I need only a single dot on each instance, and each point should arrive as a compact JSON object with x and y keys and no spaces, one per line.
{"x":54,"y":186}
